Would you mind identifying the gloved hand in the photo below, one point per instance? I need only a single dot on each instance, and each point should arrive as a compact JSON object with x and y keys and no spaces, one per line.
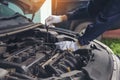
{"x":68,"y":45}
{"x":55,"y":19}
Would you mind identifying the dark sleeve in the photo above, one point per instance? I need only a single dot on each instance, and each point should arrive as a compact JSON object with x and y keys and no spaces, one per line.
{"x":78,"y":13}
{"x":108,"y":18}
{"x":90,"y":10}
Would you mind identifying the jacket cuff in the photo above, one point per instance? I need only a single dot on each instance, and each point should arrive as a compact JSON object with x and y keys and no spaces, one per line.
{"x":82,"y":41}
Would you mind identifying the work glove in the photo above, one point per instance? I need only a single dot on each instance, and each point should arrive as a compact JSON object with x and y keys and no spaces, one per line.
{"x":68,"y":45}
{"x":55,"y":19}
{"x":3,"y":73}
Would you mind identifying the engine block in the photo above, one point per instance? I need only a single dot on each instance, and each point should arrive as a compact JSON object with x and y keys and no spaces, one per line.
{"x":31,"y":56}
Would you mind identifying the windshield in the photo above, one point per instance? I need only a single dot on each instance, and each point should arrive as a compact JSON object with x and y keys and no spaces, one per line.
{"x":5,"y":11}
{"x":11,"y":9}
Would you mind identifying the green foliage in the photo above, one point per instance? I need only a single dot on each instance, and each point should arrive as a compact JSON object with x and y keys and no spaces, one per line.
{"x":114,"y":44}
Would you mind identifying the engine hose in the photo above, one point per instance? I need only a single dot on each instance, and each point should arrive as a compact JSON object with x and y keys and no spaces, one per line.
{"x":70,"y":64}
{"x":21,"y":76}
{"x":63,"y":67}
{"x":67,"y":65}
{"x":5,"y":64}
{"x":11,"y":78}
{"x":72,"y":60}
{"x":59,"y":71}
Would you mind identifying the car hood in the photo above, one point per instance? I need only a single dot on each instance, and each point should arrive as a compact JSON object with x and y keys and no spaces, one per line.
{"x":15,"y":24}
{"x":28,"y":6}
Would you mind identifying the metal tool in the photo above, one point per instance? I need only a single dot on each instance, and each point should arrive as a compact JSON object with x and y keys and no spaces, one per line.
{"x":46,"y":26}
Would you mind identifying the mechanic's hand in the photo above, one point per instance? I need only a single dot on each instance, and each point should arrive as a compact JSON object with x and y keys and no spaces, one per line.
{"x":68,"y":45}
{"x":55,"y":19}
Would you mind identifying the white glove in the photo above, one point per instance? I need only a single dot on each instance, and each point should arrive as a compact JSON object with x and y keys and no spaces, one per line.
{"x":68,"y":45}
{"x":53,"y":19}
{"x":3,"y":73}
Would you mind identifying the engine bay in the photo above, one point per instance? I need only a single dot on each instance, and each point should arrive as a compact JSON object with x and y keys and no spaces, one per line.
{"x":33,"y":55}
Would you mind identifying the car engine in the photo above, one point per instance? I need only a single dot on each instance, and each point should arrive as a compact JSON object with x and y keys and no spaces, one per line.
{"x":29,"y":55}
{"x":29,"y":52}
{"x":32,"y":55}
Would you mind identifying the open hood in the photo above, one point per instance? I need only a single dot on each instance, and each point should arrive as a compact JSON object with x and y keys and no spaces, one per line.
{"x":12,"y":22}
{"x":28,"y":6}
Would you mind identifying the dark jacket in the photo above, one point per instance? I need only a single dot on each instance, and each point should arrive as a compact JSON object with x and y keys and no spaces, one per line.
{"x":106,"y":14}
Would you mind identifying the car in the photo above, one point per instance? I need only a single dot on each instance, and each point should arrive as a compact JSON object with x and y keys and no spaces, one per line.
{"x":29,"y":52}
